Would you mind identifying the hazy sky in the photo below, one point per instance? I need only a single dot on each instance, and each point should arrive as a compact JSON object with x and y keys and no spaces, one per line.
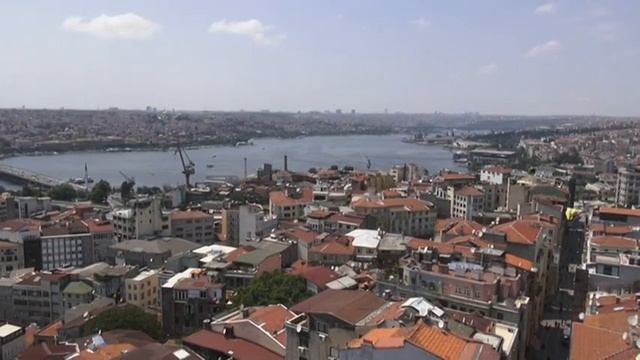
{"x":489,"y":56}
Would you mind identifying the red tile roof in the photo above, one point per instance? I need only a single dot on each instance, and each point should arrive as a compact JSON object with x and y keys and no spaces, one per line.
{"x":350,"y":306}
{"x":589,"y":342}
{"x":439,"y":342}
{"x":469,"y":191}
{"x":497,"y":169}
{"x":242,"y":349}
{"x":461,"y":227}
{"x":319,"y":276}
{"x":615,"y":241}
{"x":301,"y":234}
{"x":620,"y":211}
{"x":319,"y":214}
{"x":453,"y":176}
{"x":98,"y":226}
{"x":20,"y":225}
{"x":610,"y":229}
{"x":524,"y":232}
{"x":280,"y":198}
{"x":189,"y":215}
{"x":408,"y":203}
{"x":518,"y":262}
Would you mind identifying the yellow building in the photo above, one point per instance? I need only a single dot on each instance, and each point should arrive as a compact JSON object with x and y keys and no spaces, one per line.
{"x":143,"y":290}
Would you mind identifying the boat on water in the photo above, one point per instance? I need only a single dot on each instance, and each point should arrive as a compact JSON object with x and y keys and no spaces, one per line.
{"x":209,"y":166}
{"x":245,"y":143}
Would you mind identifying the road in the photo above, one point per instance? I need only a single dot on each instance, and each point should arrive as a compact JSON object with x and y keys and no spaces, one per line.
{"x":558,"y":313}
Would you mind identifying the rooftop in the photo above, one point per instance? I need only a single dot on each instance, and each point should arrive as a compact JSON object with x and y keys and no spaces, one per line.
{"x":8,"y":329}
{"x":77,"y":288}
{"x":365,"y":238}
{"x":350,"y":306}
{"x":160,"y":246}
{"x":241,"y":349}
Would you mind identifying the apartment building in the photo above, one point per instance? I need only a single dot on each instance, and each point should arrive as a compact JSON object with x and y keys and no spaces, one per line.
{"x":11,"y":258}
{"x":467,"y":202}
{"x":254,"y":224}
{"x":289,"y":204}
{"x":143,"y":290}
{"x":188,"y":298}
{"x":335,"y":222}
{"x":628,"y":186}
{"x":76,"y":293}
{"x":406,"y":216}
{"x":328,"y":320}
{"x":496,"y":175}
{"x":247,"y":266}
{"x":196,"y":226}
{"x":230,"y":226}
{"x":12,"y":341}
{"x":38,"y":298}
{"x":143,"y":217}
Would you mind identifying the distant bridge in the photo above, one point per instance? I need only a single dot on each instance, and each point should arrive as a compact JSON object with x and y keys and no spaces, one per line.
{"x":28,"y":177}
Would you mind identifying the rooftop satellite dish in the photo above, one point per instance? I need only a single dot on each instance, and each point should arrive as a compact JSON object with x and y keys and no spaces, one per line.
{"x":441,"y":324}
{"x":633,"y":320}
{"x":581,"y":316}
{"x":625,"y":335}
{"x":299,"y":328}
{"x":638,"y":343}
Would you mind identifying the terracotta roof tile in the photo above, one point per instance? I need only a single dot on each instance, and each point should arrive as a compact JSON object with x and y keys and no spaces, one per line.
{"x":469,"y":191}
{"x":350,"y":306}
{"x":615,"y":241}
{"x":441,"y":343}
{"x":518,"y":262}
{"x":620,"y":211}
{"x":280,"y":198}
{"x":242,"y":349}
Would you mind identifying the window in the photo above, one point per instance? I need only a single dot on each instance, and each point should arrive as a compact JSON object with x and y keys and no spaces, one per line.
{"x":500,"y":316}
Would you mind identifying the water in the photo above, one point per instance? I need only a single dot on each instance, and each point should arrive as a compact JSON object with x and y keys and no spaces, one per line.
{"x":156,"y":168}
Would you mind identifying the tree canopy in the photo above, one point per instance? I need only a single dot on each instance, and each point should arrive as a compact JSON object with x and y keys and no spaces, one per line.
{"x":127,"y":318}
{"x":100,"y":192}
{"x":126,"y":190}
{"x":63,"y":192}
{"x":273,"y":288}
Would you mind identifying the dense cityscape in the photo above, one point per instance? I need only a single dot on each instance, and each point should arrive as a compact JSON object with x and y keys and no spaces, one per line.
{"x":530,"y":253}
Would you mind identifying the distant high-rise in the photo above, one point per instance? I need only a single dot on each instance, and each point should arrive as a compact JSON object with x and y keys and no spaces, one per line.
{"x":628,"y":186}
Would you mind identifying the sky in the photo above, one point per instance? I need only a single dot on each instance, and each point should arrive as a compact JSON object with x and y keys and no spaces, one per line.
{"x":487,"y":56}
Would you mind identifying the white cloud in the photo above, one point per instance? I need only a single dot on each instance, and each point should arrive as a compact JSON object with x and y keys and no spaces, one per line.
{"x":548,"y":47}
{"x":126,"y":26}
{"x":545,"y":9}
{"x":421,"y":23}
{"x":488,"y":69}
{"x":252,"y":28}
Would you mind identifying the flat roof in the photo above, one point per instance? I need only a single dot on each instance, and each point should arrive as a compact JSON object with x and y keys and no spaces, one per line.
{"x":365,"y":238}
{"x":144,"y":274}
{"x":8,"y":329}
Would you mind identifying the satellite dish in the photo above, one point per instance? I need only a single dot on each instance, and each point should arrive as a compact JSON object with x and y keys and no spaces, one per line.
{"x":299,"y":328}
{"x":581,"y":316}
{"x":633,"y":320}
{"x":625,"y":335}
{"x":441,"y":324}
{"x":638,"y":343}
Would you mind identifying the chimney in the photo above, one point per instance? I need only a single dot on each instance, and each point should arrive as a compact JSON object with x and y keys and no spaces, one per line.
{"x":286,"y":165}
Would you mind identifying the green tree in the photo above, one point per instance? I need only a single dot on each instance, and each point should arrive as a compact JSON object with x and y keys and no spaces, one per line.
{"x":126,"y":190}
{"x":100,"y":192}
{"x":30,"y":191}
{"x":63,"y":192}
{"x":127,"y":318}
{"x":569,"y":157}
{"x":273,"y":288}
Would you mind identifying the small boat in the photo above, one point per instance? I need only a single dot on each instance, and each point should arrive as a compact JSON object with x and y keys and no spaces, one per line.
{"x":209,"y":166}
{"x":213,"y":156}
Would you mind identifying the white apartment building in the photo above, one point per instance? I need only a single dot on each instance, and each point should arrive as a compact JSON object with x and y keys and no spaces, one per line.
{"x":143,"y":217}
{"x":628,"y":186}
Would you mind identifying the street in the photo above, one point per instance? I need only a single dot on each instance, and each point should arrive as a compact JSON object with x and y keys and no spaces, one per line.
{"x":558,"y":313}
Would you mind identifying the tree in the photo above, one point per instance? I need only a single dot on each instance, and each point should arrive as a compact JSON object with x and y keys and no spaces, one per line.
{"x":570,"y":157}
{"x":127,"y":318}
{"x":100,"y":192}
{"x":30,"y":191}
{"x":126,"y":190}
{"x":273,"y":288}
{"x":149,"y":190}
{"x":313,"y":170}
{"x":63,"y":192}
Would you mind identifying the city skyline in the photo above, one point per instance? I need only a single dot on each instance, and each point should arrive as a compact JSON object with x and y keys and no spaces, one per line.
{"x":523,"y":58}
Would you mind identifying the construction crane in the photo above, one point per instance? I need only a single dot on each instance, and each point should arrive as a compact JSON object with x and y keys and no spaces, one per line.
{"x":130,"y":179}
{"x":188,"y":166}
